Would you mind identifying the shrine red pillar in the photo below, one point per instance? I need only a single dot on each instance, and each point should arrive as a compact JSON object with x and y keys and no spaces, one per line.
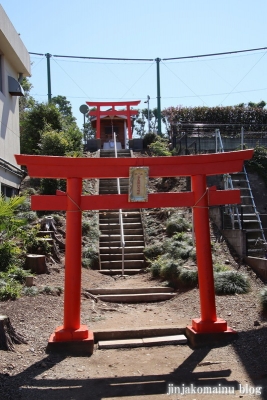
{"x":129,"y":123}
{"x":208,"y":323}
{"x":72,"y":330}
{"x":98,"y":125}
{"x":72,"y":291}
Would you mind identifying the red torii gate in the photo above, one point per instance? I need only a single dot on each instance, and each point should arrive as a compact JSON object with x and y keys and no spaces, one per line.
{"x":200,"y":198}
{"x":113,"y":112}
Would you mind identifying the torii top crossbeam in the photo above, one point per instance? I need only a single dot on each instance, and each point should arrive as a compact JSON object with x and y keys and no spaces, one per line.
{"x":113,"y":112}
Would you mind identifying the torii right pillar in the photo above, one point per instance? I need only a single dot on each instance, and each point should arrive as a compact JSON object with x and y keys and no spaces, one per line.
{"x":208,"y":329}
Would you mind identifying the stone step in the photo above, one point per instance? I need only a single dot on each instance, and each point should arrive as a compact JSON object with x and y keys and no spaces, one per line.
{"x":128,"y":244}
{"x":118,"y":256}
{"x":127,"y":249}
{"x":126,"y":224}
{"x":139,"y":290}
{"x":112,"y":272}
{"x":144,"y":342}
{"x":117,"y":264}
{"x":136,"y":298}
{"x":110,"y":220}
{"x":116,"y":238}
{"x":116,"y":230}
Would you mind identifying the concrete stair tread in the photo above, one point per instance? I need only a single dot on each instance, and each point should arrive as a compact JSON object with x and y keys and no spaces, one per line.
{"x":136,"y":290}
{"x":149,"y":341}
{"x":132,"y":271}
{"x":136,"y":297}
{"x":254,"y":230}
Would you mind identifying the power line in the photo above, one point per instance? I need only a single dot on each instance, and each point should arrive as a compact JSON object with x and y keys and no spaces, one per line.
{"x":215,"y":54}
{"x":151,"y":59}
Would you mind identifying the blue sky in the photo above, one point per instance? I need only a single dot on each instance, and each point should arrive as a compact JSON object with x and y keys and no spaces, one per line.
{"x":145,"y":29}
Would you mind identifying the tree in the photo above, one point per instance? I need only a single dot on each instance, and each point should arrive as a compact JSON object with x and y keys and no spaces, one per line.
{"x":261,"y":104}
{"x":26,"y":102}
{"x":64,"y":107}
{"x":34,"y":124}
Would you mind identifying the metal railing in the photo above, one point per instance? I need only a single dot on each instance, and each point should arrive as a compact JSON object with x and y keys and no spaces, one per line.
{"x":120,"y":213}
{"x":254,"y":206}
{"x":228,"y":183}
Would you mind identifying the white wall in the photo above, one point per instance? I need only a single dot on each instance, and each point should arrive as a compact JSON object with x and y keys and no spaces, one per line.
{"x":15,"y":60}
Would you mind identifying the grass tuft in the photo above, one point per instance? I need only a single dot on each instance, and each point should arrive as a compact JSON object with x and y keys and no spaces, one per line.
{"x":231,"y":282}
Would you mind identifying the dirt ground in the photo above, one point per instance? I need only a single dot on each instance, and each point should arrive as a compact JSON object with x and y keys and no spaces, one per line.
{"x":141,"y":373}
{"x":145,"y":373}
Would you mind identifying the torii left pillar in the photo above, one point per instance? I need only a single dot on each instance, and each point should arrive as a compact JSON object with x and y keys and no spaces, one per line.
{"x":72,"y":330}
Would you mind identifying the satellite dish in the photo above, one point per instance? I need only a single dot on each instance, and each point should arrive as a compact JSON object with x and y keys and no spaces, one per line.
{"x":84,"y":109}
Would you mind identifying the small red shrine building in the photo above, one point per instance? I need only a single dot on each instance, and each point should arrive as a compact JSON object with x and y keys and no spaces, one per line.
{"x":111,"y":120}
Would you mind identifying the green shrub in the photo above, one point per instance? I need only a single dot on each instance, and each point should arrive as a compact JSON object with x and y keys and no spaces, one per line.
{"x":220,"y":268}
{"x":153,"y":251}
{"x":50,"y":290}
{"x":157,"y":265}
{"x":263,"y":299}
{"x":17,"y":274}
{"x":188,"y":277}
{"x":169,"y":271}
{"x":29,"y":216}
{"x":160,"y":147}
{"x":148,"y":139}
{"x":86,"y":227}
{"x":179,"y":236}
{"x":176,"y":225}
{"x":90,"y":258}
{"x":7,"y":255}
{"x":231,"y":282}
{"x":10,"y":291}
{"x":30,"y":291}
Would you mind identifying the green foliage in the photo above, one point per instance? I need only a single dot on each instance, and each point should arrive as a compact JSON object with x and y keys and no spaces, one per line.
{"x":263,"y":299}
{"x":148,"y":139}
{"x":8,"y":221}
{"x":176,"y":224}
{"x":254,"y":117}
{"x":32,"y":243}
{"x":53,"y":143}
{"x":188,"y":277}
{"x":17,"y":274}
{"x":231,"y":282}
{"x":220,"y":268}
{"x":26,"y":102}
{"x":51,"y":290}
{"x":157,"y":265}
{"x":86,"y":227}
{"x":169,"y":270}
{"x":141,"y":119}
{"x":7,"y":255}
{"x":30,"y":291}
{"x":9,"y":290}
{"x":160,"y":147}
{"x":90,"y":258}
{"x":34,"y":124}
{"x":153,"y":251}
{"x":64,"y":107}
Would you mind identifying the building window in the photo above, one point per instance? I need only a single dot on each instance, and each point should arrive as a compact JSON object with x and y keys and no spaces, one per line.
{"x":8,"y":191}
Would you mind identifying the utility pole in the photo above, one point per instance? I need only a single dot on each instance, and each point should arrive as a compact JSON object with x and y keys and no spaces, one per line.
{"x":158,"y":95}
{"x":48,"y":56}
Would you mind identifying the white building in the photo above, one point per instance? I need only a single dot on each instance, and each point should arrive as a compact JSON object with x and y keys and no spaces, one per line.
{"x":14,"y":64}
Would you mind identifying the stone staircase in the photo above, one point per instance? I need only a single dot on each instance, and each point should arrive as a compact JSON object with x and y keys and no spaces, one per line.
{"x":110,"y":251}
{"x":247,"y":217}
